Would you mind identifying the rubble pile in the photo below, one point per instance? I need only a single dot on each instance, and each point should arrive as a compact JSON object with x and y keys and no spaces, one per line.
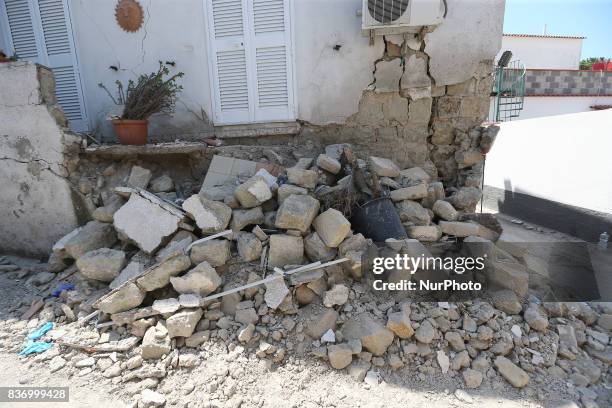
{"x":271,"y":265}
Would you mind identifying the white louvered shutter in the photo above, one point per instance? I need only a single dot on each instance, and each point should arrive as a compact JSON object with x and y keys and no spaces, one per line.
{"x":40,"y":31}
{"x":250,"y":48}
{"x":271,"y":47}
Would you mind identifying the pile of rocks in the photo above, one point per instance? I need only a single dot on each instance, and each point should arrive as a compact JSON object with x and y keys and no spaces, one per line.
{"x":214,"y":269}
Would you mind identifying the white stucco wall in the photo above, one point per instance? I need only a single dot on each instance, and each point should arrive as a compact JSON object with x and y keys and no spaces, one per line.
{"x":544,"y":53}
{"x":537,"y":107}
{"x":329,"y":82}
{"x":562,"y":158}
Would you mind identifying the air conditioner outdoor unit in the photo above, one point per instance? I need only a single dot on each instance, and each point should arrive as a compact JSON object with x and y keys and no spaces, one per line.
{"x":400,"y":16}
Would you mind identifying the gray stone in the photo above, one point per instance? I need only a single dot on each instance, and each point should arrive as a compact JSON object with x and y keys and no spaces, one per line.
{"x":303,"y":178}
{"x":511,"y":372}
{"x":340,"y":356}
{"x":243,"y":218}
{"x":468,"y":158}
{"x":106,"y":213}
{"x":507,"y":302}
{"x":254,"y":192}
{"x":374,"y":337}
{"x":425,"y":333}
{"x":466,"y":198}
{"x":399,"y":323}
{"x":163,"y":306}
{"x":337,"y":295}
{"x":356,"y":242}
{"x":189,"y":300}
{"x":316,"y":250}
{"x":246,"y":334}
{"x":102,"y":264}
{"x":415,"y":192}
{"x":445,"y":210}
{"x":162,"y":184}
{"x":276,"y":291}
{"x":126,"y":297}
{"x":472,"y":378}
{"x":414,"y":175}
{"x":92,"y":235}
{"x":329,"y":164}
{"x":177,"y":245}
{"x":413,"y":213}
{"x":455,"y":340}
{"x":210,"y":216}
{"x":605,"y":321}
{"x":246,"y":316}
{"x":536,"y":317}
{"x":139,"y":177}
{"x":249,"y":247}
{"x":146,"y":223}
{"x":301,"y":278}
{"x":318,"y":324}
{"x":509,"y":275}
{"x":383,"y":167}
{"x":424,"y":233}
{"x":197,"y":338}
{"x":461,"y":360}
{"x":183,"y":323}
{"x":201,"y":280}
{"x":285,"y":250}
{"x":159,"y":275}
{"x":215,"y":251}
{"x":286,"y":190}
{"x":332,"y":227}
{"x":297,"y":212}
{"x":458,"y":229}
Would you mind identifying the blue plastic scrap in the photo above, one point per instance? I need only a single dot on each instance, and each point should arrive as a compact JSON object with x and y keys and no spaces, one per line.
{"x":35,"y":347}
{"x":41,"y":331}
{"x":64,"y":286}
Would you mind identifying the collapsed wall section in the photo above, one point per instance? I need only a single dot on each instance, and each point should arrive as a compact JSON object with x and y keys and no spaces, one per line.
{"x":37,"y":155}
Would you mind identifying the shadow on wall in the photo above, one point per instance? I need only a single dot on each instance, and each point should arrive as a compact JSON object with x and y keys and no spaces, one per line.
{"x":576,"y":221}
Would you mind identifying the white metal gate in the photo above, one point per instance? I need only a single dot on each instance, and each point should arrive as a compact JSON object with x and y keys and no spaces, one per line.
{"x":251,"y":60}
{"x":40,"y":31}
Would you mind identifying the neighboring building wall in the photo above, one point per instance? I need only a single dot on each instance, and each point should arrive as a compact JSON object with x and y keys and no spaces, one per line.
{"x":537,"y":107}
{"x":37,"y":156}
{"x":567,"y":82}
{"x":543,"y":52}
{"x":564,"y":159}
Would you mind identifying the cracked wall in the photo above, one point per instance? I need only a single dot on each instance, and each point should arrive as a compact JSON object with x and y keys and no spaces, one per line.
{"x":37,"y":156}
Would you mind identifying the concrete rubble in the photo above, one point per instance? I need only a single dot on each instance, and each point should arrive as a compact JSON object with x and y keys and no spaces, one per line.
{"x":177,"y":288}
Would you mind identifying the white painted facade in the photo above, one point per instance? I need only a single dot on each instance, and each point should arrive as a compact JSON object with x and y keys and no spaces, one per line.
{"x":537,"y":107}
{"x":329,"y":61}
{"x":563,"y":158}
{"x":543,"y":52}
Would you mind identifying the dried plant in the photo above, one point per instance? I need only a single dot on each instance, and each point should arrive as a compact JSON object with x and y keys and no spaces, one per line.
{"x":150,"y":94}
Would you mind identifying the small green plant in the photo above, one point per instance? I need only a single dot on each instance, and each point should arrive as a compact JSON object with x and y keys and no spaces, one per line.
{"x":151,"y":93}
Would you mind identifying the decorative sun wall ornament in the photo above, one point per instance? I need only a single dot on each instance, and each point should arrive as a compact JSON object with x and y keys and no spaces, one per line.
{"x":129,"y":15}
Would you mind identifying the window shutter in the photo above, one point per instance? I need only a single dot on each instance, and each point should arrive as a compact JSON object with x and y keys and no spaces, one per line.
{"x":40,"y":32}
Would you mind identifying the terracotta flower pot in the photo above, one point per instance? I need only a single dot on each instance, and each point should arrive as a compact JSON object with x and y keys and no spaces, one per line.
{"x":131,"y":132}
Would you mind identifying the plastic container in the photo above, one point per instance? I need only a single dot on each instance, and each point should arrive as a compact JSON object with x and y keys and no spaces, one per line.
{"x":378,"y":219}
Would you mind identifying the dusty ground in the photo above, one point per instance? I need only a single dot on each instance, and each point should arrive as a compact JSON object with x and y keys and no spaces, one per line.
{"x":231,"y":376}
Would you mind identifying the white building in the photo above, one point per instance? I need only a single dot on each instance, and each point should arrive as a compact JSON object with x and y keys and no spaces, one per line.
{"x":544,"y":51}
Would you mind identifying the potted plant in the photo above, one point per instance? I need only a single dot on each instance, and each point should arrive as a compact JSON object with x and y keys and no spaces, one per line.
{"x":150,"y":94}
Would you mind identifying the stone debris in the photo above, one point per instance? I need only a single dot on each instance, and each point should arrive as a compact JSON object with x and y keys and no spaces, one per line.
{"x":102,"y":264}
{"x":515,"y":375}
{"x":210,"y":216}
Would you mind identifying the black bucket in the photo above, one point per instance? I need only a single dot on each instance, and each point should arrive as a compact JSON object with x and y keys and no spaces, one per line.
{"x":377,"y":219}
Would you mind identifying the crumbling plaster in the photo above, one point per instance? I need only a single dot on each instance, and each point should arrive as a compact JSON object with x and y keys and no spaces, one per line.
{"x":37,"y":155}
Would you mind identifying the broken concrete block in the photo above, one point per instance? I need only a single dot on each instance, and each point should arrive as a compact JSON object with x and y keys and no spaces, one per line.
{"x":155,"y":343}
{"x":445,"y":210}
{"x":285,"y":250}
{"x":414,"y":175}
{"x":163,"y":306}
{"x":92,"y":235}
{"x":162,"y":184}
{"x":374,"y":337}
{"x":146,"y":223}
{"x":139,"y":177}
{"x":159,"y":275}
{"x":286,"y":190}
{"x":413,"y":213}
{"x":338,"y":295}
{"x":316,"y":250}
{"x":243,"y":218}
{"x":254,"y":192}
{"x":183,"y":323}
{"x":332,"y":227}
{"x":429,"y":233}
{"x":511,"y":372}
{"x":126,"y":297}
{"x":383,"y":167}
{"x":329,"y":164}
{"x":102,"y":264}
{"x":410,"y":193}
{"x":399,"y":323}
{"x":297,"y":212}
{"x":276,"y":291}
{"x":340,"y":355}
{"x":249,"y":247}
{"x":201,"y":280}
{"x":215,"y":251}
{"x":302,"y":178}
{"x":458,"y":229}
{"x":210,"y":216}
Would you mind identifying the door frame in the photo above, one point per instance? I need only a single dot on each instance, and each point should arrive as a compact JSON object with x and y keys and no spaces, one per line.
{"x":212,"y":77}
{"x":43,"y":57}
